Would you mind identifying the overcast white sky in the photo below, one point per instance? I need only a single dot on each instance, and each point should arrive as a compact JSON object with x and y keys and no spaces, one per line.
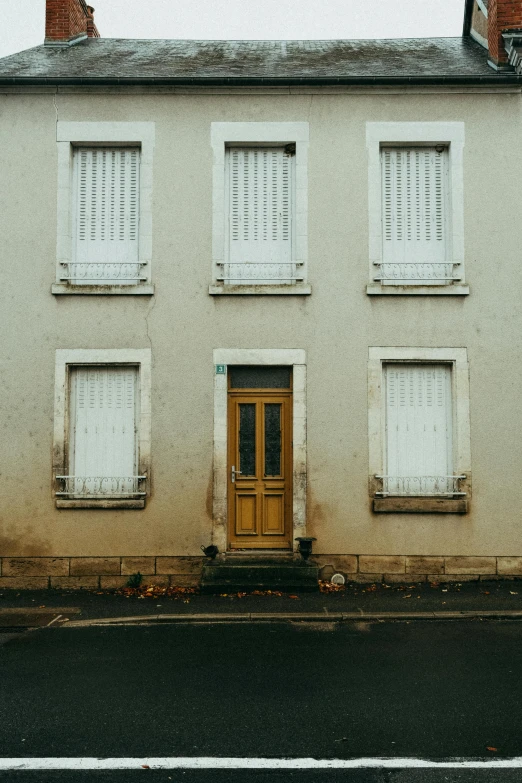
{"x":22,"y":21}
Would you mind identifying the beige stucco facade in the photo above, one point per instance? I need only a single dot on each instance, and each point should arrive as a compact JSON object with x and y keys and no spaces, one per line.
{"x":335,"y":326}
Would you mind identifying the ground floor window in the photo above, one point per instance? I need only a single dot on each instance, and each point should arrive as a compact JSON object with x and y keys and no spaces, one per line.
{"x":102,"y":429}
{"x":419,"y":429}
{"x":103,"y":432}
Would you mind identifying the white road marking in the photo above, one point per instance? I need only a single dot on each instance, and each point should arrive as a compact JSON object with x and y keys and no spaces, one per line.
{"x":54,"y":619}
{"x":31,"y":764}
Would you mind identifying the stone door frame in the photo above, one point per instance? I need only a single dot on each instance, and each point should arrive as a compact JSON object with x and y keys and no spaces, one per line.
{"x":223,"y":357}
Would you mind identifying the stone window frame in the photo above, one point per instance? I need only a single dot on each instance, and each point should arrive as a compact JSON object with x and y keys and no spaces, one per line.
{"x":74,"y":357}
{"x":296,"y":357}
{"x":121,"y":134}
{"x":224,"y":134}
{"x":450,"y":134}
{"x":458,"y":359}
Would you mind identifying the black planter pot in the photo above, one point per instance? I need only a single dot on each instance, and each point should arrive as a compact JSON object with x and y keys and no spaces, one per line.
{"x":305,"y":546}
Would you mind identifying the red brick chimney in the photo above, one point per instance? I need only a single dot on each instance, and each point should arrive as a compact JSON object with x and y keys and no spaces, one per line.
{"x":67,"y":21}
{"x":502,"y":15}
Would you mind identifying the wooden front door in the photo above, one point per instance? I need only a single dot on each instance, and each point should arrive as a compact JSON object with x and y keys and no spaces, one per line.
{"x":260,"y":469}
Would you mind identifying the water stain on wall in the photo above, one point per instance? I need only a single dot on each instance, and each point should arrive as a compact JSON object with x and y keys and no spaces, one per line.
{"x":17,"y":543}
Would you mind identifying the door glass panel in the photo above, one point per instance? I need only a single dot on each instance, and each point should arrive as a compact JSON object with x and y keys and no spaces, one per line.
{"x":260,"y":377}
{"x":273,"y":439}
{"x":247,"y":439}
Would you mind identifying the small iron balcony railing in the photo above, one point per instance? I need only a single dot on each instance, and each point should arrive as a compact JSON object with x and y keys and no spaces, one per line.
{"x":240,"y":273}
{"x":101,"y":486}
{"x":413,"y":272}
{"x":420,"y":486}
{"x":103,"y":273}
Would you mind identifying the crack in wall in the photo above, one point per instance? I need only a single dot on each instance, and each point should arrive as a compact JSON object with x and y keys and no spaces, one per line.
{"x":56,"y":110}
{"x":152,"y":305}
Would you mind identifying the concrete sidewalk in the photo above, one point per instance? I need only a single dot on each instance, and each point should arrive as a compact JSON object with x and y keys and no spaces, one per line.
{"x":357,"y":601}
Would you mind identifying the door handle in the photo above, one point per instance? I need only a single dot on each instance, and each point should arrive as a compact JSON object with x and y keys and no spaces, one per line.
{"x":235,"y":473}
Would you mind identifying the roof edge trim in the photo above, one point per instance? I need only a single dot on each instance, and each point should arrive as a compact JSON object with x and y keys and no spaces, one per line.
{"x":504,"y":78}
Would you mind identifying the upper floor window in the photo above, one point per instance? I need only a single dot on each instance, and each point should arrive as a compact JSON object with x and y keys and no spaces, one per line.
{"x":415,"y":215}
{"x":260,"y":208}
{"x":105,"y":217}
{"x":416,"y":208}
{"x":260,"y":187}
{"x":104,"y":242}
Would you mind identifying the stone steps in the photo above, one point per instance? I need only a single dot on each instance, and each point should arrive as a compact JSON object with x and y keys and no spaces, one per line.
{"x":254,"y":575}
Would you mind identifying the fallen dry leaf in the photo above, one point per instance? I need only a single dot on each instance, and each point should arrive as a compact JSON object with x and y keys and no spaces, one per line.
{"x":328,"y":587}
{"x":155,"y":591}
{"x":294,"y":596}
{"x":493,"y":750}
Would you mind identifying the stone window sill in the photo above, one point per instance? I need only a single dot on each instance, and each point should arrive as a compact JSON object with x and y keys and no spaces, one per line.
{"x":416,"y":505}
{"x":256,"y":290}
{"x":104,"y":504}
{"x":103,"y":290}
{"x":417,"y":290}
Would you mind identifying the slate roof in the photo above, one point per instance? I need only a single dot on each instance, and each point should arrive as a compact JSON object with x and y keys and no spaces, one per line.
{"x":130,"y":61}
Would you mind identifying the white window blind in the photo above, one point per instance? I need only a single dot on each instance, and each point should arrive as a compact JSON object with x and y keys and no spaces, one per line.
{"x":102,"y":430}
{"x":106,"y":216}
{"x":415,"y":214}
{"x":419,"y":448}
{"x":260,"y":205}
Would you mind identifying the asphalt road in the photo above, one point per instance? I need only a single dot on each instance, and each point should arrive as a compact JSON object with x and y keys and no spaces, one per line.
{"x":359,"y":776}
{"x":425,"y":690}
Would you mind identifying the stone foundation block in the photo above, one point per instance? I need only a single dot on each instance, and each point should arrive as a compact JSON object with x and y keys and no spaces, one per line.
{"x":131,"y":565}
{"x":343,"y":563}
{"x":346,"y":564}
{"x":184,"y":580}
{"x":24,"y":583}
{"x":326,"y":572}
{"x":385,"y":564}
{"x":179,"y":565}
{"x":94,"y":566}
{"x":496,"y":578}
{"x":470,"y":565}
{"x":75,"y":582}
{"x":35,"y":566}
{"x":367,"y":578}
{"x":424,"y":565}
{"x":403,"y":579}
{"x":453,"y":578}
{"x":509,"y":565}
{"x":156,"y":581}
{"x":113,"y":582}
